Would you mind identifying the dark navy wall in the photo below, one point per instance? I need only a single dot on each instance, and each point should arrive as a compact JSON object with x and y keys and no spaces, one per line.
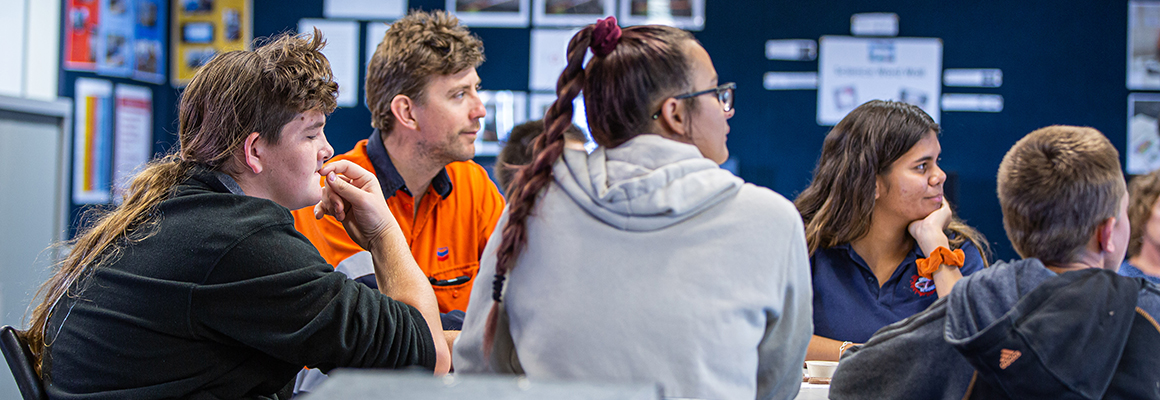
{"x":1063,"y":62}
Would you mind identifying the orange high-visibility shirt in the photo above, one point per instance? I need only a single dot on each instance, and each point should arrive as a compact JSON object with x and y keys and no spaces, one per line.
{"x":447,"y":237}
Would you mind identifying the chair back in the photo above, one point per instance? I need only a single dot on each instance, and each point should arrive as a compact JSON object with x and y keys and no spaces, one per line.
{"x":19,"y":358}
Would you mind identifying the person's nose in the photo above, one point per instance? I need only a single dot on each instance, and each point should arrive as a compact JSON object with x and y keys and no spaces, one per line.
{"x":939,"y":176}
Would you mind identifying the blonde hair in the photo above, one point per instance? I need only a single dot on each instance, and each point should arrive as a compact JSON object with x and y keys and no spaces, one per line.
{"x":236,"y":93}
{"x":1056,"y":185}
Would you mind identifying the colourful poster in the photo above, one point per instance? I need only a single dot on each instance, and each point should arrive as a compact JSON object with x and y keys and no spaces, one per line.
{"x":115,"y":38}
{"x":134,"y":138}
{"x":92,"y":141}
{"x":80,"y":34}
{"x":148,"y":47}
{"x":203,"y":28}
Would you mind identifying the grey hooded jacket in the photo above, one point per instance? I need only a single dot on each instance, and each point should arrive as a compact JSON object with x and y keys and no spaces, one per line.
{"x":649,"y":263}
{"x":1016,"y":330}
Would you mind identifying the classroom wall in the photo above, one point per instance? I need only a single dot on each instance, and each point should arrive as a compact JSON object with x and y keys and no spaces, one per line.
{"x":1063,"y":62}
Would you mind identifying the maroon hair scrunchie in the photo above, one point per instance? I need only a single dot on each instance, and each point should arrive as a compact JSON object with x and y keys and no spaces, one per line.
{"x":605,"y":36}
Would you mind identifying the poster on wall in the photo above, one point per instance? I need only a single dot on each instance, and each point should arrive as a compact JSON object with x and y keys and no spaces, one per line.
{"x":364,"y":9}
{"x":114,"y":38}
{"x":92,"y":141}
{"x":505,"y":110}
{"x":684,"y":14}
{"x":204,"y":28}
{"x":82,"y":18}
{"x":852,"y":71}
{"x":1143,"y":135}
{"x":148,"y":46}
{"x":570,"y":12}
{"x":375,"y":32}
{"x":491,"y":13}
{"x":548,"y":56}
{"x":133,"y":142}
{"x":1143,"y":41}
{"x":342,"y":51}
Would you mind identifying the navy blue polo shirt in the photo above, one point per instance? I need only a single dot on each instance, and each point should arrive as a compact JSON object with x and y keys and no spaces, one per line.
{"x":849,"y":304}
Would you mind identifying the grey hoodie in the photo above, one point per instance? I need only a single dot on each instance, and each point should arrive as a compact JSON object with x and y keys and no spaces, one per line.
{"x":649,"y":263}
{"x":1029,"y":333}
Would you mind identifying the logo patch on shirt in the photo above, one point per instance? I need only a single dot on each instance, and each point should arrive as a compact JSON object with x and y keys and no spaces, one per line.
{"x":921,"y":286}
{"x":442,"y":253}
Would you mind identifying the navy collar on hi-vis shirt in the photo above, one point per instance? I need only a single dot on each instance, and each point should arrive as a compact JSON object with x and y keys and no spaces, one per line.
{"x":389,"y":177}
{"x":849,"y":304}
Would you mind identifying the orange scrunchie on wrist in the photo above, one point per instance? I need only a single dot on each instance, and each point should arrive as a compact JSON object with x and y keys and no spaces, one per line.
{"x":938,"y":257}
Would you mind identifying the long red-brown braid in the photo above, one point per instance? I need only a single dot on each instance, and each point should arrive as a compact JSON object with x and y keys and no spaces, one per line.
{"x":530,"y":179}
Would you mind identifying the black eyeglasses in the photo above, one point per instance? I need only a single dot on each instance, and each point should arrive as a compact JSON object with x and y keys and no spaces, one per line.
{"x":724,"y":95}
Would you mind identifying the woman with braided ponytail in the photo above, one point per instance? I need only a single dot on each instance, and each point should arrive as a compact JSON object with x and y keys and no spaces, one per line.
{"x":643,"y":261}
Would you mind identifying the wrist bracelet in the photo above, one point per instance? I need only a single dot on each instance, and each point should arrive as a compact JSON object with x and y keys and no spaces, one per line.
{"x":842,"y":348}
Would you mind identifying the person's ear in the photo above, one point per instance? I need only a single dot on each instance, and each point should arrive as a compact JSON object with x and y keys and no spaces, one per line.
{"x":673,"y":117}
{"x":877,"y":187}
{"x":1104,"y":230}
{"x":404,"y":109}
{"x":253,"y":149}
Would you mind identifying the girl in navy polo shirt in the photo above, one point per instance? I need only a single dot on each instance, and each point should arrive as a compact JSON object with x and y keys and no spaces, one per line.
{"x":883,"y":242}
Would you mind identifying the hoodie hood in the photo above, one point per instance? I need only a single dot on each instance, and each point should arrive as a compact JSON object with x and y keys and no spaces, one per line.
{"x":1042,"y":334}
{"x":645,"y":184}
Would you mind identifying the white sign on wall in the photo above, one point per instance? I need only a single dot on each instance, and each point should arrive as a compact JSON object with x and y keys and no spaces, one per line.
{"x":852,"y":71}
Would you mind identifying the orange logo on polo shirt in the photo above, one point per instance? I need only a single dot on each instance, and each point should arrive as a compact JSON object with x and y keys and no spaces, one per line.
{"x":442,"y":253}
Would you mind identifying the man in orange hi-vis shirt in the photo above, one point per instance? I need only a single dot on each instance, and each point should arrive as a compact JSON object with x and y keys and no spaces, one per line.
{"x":422,"y":93}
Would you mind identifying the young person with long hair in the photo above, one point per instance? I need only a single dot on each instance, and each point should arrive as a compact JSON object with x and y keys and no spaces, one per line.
{"x":198,"y":286}
{"x":873,"y":213}
{"x":1144,"y":247}
{"x":644,"y":260}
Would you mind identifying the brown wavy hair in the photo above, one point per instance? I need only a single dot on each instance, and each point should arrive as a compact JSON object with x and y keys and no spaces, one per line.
{"x":236,"y":93}
{"x":838,"y":205}
{"x":1143,"y":191}
{"x":416,"y":47}
{"x":622,"y":90}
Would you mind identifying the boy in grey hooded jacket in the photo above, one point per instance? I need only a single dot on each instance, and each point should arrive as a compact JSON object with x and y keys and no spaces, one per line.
{"x":1059,"y":323}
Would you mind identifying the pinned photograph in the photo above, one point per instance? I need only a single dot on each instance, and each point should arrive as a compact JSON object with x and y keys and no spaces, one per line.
{"x":491,"y":13}
{"x":505,"y":110}
{"x":1143,"y":44}
{"x":232,"y":22}
{"x":195,"y":58}
{"x":1143,"y":133}
{"x":684,"y":14}
{"x":570,"y":12}
{"x":197,"y":6}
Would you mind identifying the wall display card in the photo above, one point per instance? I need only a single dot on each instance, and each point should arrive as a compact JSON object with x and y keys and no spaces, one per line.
{"x":375,"y":32}
{"x":874,"y":24}
{"x":505,"y":110}
{"x":1143,"y":138}
{"x":364,"y":9}
{"x":115,"y":38}
{"x":82,"y":18}
{"x":852,"y":71}
{"x":790,"y":80}
{"x":148,"y":43}
{"x":204,"y":28}
{"x":1143,"y":56}
{"x":549,"y":56}
{"x":967,"y":77}
{"x":684,"y":14}
{"x":791,"y":49}
{"x":570,"y":12}
{"x":491,"y":13}
{"x":342,"y":51}
{"x":92,"y":141}
{"x":972,"y":102}
{"x":539,"y":103}
{"x":133,"y":145}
